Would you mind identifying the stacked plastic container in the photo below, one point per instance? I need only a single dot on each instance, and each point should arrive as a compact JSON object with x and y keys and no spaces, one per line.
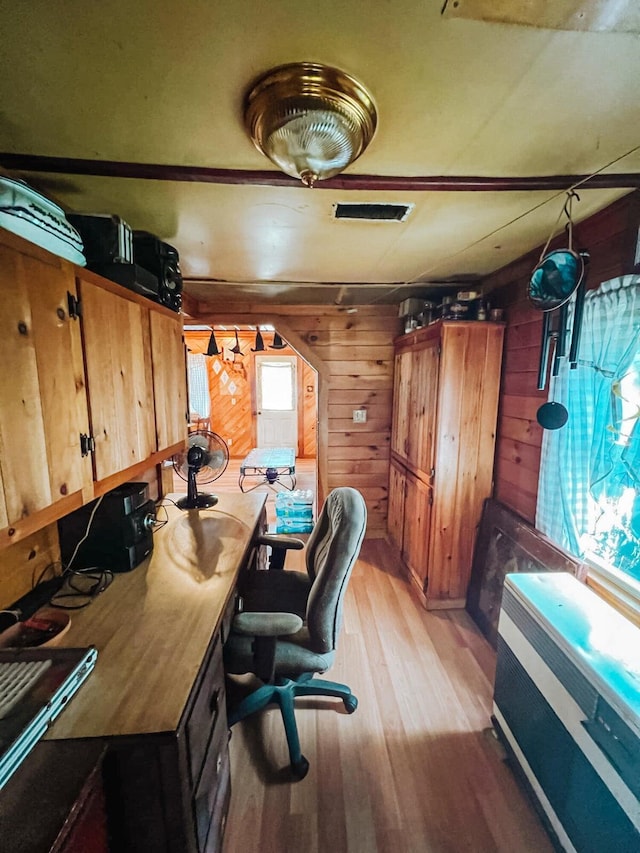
{"x":294,"y":511}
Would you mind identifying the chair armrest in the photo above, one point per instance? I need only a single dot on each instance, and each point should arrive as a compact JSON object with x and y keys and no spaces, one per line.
{"x":279,"y":545}
{"x":267,"y":624}
{"x":279,"y":540}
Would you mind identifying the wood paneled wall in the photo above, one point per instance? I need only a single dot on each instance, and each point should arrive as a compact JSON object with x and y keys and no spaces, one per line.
{"x":610,"y":238}
{"x":353,"y":354}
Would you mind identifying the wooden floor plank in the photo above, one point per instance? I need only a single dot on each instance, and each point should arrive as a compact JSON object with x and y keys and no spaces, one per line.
{"x":415,"y":769}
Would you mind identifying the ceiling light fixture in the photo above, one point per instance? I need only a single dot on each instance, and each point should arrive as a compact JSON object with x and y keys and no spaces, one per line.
{"x":311,"y":120}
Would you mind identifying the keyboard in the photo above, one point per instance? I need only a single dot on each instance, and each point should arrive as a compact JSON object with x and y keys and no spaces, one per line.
{"x":16,"y":680}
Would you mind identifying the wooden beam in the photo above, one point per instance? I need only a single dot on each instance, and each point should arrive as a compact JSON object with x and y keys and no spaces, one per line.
{"x":255,"y":177}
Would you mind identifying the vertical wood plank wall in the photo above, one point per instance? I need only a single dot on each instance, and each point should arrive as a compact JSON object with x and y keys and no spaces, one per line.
{"x":355,"y":354}
{"x":610,"y":238}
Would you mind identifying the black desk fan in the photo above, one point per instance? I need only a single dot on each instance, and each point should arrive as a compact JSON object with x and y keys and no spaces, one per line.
{"x":203,"y":461}
{"x":558,"y":275}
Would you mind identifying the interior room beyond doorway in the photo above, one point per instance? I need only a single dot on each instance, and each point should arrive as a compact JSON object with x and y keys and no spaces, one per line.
{"x":225,"y":394}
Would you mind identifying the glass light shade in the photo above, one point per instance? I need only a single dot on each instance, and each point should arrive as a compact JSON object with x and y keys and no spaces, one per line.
{"x":311,"y":120}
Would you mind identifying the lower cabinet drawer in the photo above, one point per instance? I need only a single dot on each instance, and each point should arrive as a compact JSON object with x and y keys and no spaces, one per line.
{"x":227,"y":619}
{"x":214,"y":781}
{"x":207,"y":713}
{"x":218,"y":823}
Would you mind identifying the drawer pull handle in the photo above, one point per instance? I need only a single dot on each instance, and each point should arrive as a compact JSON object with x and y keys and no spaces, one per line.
{"x":214,"y":702}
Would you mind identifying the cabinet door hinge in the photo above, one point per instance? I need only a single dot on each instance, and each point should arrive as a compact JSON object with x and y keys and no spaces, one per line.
{"x":87,"y":444}
{"x":75,"y":306}
{"x":431,"y":498}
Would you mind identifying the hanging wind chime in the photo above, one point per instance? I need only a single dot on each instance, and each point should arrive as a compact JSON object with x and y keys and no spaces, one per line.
{"x":558,"y":276}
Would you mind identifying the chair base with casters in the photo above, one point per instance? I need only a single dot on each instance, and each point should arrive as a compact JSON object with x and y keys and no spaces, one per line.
{"x":284,"y":693}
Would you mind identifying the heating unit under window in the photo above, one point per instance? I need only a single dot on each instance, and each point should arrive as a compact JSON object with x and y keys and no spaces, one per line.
{"x":567,"y":704}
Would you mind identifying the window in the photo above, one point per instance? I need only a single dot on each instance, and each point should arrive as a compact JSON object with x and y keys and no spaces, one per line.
{"x":589,"y":490}
{"x":615,"y":527}
{"x":277,"y":391}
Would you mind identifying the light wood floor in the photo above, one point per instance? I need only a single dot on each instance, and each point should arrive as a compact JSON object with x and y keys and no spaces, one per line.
{"x":414,"y":769}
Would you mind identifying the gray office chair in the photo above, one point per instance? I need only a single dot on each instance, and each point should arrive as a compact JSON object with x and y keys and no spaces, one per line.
{"x":286,"y":651}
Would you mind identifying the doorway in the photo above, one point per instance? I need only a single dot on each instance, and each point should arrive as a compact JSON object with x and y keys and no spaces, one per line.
{"x":277,"y":403}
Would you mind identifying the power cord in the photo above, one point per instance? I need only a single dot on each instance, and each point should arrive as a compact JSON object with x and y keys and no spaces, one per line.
{"x":77,"y":588}
{"x":86,"y":532}
{"x":80,"y":587}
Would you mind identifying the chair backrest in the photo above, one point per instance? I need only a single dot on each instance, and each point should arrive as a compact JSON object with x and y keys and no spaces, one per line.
{"x":332,"y":551}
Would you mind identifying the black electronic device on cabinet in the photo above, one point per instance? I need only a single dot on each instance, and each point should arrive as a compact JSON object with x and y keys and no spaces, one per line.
{"x":131,"y":276}
{"x":120,"y":535}
{"x":107,"y":238}
{"x":162,"y":261}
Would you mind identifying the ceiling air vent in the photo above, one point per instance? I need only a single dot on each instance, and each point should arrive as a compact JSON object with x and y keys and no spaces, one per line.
{"x":373,"y":212}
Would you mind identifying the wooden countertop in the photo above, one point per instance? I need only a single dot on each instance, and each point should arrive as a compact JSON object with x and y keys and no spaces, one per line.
{"x":152,"y":626}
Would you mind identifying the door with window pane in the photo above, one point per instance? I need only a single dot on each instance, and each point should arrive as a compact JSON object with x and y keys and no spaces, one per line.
{"x":277,"y":412}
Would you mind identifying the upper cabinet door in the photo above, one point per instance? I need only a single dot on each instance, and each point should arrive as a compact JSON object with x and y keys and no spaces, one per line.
{"x":117,"y":351}
{"x":423,"y":406}
{"x":169,"y":379}
{"x":43,"y":407}
{"x":401,"y":404}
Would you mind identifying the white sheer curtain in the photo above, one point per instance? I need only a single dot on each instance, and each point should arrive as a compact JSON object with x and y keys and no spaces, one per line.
{"x":199,"y":399}
{"x":589,"y":466}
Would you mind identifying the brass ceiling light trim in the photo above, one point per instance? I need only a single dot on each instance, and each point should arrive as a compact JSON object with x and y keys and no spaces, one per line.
{"x":311,"y":120}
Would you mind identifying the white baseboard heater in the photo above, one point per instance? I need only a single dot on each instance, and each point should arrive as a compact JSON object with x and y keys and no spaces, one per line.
{"x":567,"y":705}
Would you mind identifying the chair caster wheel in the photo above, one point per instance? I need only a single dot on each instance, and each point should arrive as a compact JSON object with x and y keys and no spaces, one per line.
{"x":300,"y":768}
{"x":350,"y":704}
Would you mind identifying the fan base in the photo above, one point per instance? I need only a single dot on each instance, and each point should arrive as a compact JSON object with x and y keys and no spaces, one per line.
{"x":202,"y":501}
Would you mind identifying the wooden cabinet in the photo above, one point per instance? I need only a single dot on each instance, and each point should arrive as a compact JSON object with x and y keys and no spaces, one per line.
{"x":117,"y":355}
{"x":416,"y":530}
{"x":447,"y":379}
{"x":401,"y":403}
{"x":136,"y":377}
{"x":397,"y":497}
{"x":93,"y":375}
{"x":169,"y":384}
{"x":43,"y":407}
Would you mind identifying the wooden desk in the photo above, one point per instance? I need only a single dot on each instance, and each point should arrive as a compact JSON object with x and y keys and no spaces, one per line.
{"x":156,"y":696}
{"x":153,"y":625}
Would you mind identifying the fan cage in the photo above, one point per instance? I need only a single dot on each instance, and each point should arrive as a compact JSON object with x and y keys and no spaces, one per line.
{"x":215,"y":447}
